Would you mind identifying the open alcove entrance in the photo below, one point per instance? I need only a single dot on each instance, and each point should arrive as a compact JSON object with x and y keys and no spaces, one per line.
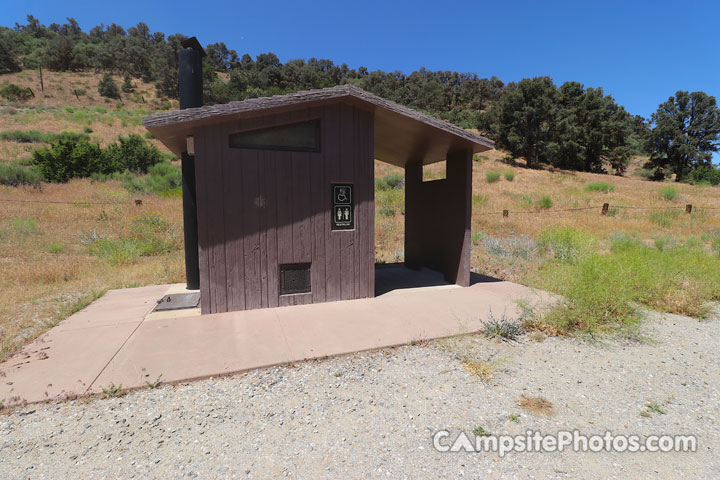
{"x":422,"y":221}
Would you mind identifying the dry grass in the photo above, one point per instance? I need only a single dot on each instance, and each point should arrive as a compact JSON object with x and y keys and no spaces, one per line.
{"x":38,"y":288}
{"x":484,"y":370}
{"x":537,"y":406}
{"x":60,"y":87}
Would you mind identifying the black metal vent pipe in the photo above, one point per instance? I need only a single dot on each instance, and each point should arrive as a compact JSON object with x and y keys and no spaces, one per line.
{"x":190,"y":79}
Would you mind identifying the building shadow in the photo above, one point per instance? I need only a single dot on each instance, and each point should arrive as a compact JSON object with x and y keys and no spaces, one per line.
{"x":476,"y":278}
{"x":396,"y":276}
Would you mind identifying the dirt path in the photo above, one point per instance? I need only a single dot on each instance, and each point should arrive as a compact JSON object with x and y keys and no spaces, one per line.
{"x":374,"y":414}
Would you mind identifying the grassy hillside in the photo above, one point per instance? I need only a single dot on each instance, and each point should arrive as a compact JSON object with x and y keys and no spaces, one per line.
{"x":86,"y":236}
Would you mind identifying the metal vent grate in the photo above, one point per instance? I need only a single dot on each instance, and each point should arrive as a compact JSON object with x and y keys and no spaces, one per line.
{"x":294,"y":278}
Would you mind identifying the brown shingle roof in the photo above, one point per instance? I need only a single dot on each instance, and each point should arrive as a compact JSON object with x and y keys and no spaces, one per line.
{"x":387,"y":115}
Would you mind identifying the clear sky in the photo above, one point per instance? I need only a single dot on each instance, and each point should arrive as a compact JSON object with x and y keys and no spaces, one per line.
{"x":639,"y":51}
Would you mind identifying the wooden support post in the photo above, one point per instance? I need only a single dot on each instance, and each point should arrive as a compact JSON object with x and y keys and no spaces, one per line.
{"x":506,"y":213}
{"x":605,"y":208}
{"x":42,"y":86}
{"x":688,"y":209}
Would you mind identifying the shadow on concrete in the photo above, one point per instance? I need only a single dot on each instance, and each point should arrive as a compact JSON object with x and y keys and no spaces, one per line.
{"x":478,"y":278}
{"x":396,"y":276}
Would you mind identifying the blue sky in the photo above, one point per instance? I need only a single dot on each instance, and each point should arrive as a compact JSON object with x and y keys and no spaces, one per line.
{"x":640,"y":52}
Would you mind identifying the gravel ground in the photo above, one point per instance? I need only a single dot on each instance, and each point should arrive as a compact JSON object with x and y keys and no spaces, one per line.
{"x":372,"y":415}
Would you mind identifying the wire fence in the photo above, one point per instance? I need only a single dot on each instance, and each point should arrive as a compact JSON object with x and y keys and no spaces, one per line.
{"x":137,"y":202}
{"x":604,"y":208}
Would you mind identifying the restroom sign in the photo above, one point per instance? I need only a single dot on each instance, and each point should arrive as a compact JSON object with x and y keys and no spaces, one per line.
{"x":342,"y":207}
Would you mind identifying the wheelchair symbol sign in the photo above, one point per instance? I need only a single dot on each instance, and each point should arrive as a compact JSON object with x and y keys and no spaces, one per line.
{"x":343,"y":195}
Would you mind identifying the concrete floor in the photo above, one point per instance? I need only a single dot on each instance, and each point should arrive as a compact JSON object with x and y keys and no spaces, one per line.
{"x":117,"y":340}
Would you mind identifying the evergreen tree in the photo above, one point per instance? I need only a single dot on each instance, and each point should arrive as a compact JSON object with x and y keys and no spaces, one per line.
{"x":127,"y":85}
{"x":686,"y":131}
{"x":521,"y":120}
{"x":108,"y":88}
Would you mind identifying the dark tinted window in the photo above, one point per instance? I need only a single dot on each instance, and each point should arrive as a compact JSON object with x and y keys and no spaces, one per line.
{"x":302,"y":137}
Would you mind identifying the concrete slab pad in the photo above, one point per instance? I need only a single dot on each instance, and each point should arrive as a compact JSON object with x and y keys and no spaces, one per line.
{"x":127,"y":305}
{"x":197,"y":347}
{"x":116,"y":340}
{"x":61,"y":363}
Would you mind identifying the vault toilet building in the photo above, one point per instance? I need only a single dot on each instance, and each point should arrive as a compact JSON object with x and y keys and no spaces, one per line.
{"x":285,"y":194}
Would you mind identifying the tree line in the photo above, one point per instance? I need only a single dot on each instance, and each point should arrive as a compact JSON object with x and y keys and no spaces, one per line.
{"x":569,"y":126}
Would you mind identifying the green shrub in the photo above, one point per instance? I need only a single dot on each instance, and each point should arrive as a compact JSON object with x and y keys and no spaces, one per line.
{"x":15,"y":93}
{"x":16,"y":175}
{"x":132,"y":153}
{"x":479,"y":201}
{"x":509,"y":175}
{"x":544,"y":202}
{"x":669,"y":193}
{"x":566,"y":244}
{"x":24,"y":136}
{"x":505,"y":328}
{"x":23,"y":225}
{"x":603,"y":187}
{"x":601,"y":291}
{"x":713,"y":238}
{"x":55,"y":247}
{"x":387,"y":211}
{"x":163,"y":179}
{"x":705,"y":175}
{"x":492,"y":176}
{"x":108,"y":88}
{"x":666,"y":217}
{"x":390,"y":181}
{"x":71,"y":157}
{"x":151,"y":234}
{"x":127,"y":85}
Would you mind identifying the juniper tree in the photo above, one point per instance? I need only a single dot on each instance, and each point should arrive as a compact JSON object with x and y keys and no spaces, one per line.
{"x":685,"y":133}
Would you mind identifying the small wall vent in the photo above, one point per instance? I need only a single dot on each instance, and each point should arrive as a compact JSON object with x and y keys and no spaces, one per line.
{"x":295,"y":278}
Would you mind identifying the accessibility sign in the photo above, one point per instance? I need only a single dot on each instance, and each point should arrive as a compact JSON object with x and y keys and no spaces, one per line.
{"x":342,"y":211}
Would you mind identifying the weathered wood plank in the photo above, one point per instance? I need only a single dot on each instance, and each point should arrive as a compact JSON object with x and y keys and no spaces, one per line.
{"x":201,"y":178}
{"x":347,"y":166}
{"x":234,"y":228}
{"x":332,"y":160}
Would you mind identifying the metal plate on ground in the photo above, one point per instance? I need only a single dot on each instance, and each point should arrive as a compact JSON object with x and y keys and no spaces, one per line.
{"x":178,"y":301}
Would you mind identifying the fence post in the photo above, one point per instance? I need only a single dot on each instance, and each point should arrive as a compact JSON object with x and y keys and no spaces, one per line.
{"x":506,"y":213}
{"x":605,"y":208}
{"x":688,"y":208}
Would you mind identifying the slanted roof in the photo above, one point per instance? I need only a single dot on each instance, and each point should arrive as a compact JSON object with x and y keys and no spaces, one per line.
{"x":401,"y":133}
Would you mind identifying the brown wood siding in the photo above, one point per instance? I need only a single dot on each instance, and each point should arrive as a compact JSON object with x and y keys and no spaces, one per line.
{"x":437,"y":218}
{"x":258,"y":209}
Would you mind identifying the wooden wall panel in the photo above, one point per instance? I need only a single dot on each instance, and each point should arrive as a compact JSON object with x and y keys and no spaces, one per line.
{"x":331,"y":160}
{"x":201,"y":179}
{"x":234,"y":248}
{"x":259,"y":209}
{"x":347,"y":174}
{"x":437,"y":219}
{"x":215,"y":212}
